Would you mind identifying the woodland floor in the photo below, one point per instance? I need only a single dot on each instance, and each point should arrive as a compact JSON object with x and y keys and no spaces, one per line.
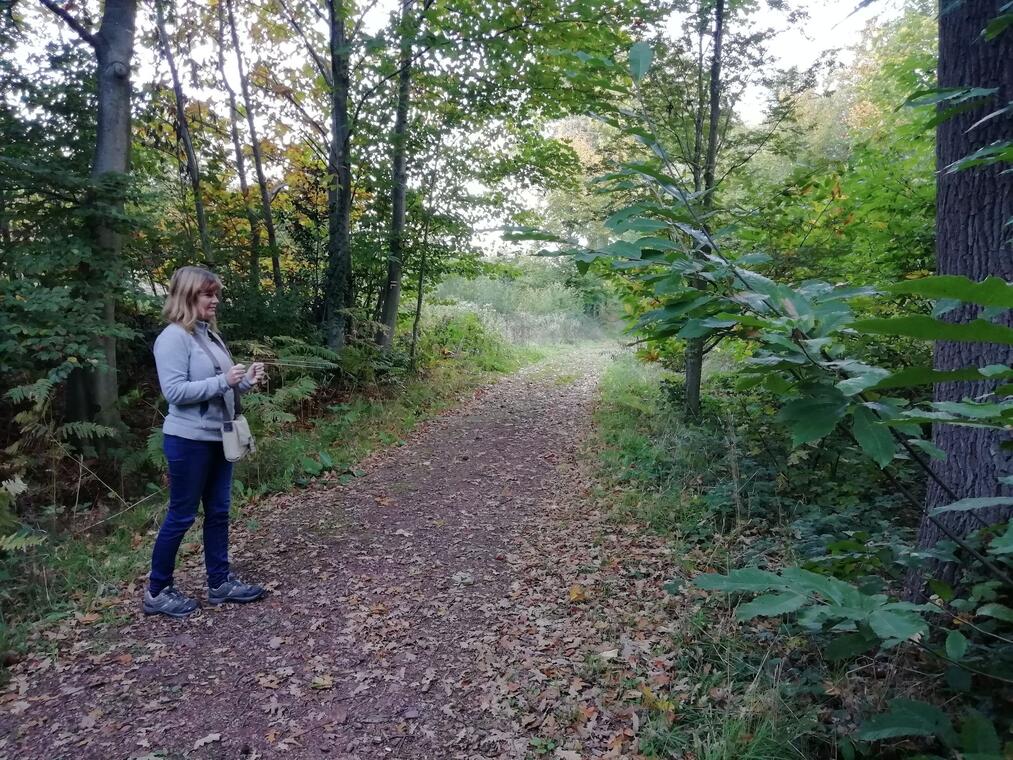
{"x":464,"y":598}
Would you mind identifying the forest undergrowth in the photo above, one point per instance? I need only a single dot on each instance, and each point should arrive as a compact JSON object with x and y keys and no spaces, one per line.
{"x":728,"y":491}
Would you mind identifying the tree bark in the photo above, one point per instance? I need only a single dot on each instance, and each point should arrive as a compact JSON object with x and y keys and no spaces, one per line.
{"x":695,"y":346}
{"x":392,"y":292}
{"x":258,"y":161}
{"x":972,"y":239}
{"x":184,"y":135}
{"x":237,"y":146}
{"x":338,"y":293}
{"x":113,"y":43}
{"x":114,"y":51}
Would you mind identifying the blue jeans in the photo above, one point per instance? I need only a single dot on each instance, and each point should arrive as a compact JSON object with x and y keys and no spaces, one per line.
{"x":198,"y":470}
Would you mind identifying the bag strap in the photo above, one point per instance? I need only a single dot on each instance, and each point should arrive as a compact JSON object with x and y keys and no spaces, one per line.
{"x":237,"y":407}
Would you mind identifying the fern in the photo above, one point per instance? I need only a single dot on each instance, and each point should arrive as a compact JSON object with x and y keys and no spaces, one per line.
{"x":84,"y":431}
{"x":37,"y":393}
{"x":294,"y":393}
{"x":21,"y":541}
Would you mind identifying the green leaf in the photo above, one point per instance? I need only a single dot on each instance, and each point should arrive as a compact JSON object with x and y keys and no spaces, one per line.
{"x":311,"y":466}
{"x":1003,"y":544}
{"x":926,"y":328}
{"x":929,"y":448}
{"x":915,"y":376}
{"x":874,"y":439}
{"x":948,"y":95}
{"x":997,"y":26}
{"x":640,"y":60}
{"x":906,"y":717}
{"x":957,"y":678}
{"x":997,"y":611}
{"x":992,"y":291}
{"x":810,"y":419}
{"x":771,"y":605}
{"x":847,"y":646}
{"x":745,"y":579}
{"x":894,"y":627}
{"x":978,"y":737}
{"x":956,"y":645}
{"x":965,"y":505}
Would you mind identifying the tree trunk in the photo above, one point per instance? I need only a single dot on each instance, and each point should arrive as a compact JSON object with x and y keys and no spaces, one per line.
{"x":392,"y":292}
{"x":258,"y":162}
{"x":972,"y":239}
{"x":695,"y":346}
{"x":183,"y":133}
{"x":114,"y":48}
{"x":418,"y":299}
{"x":237,"y":146}
{"x":338,"y":292}
{"x":6,"y":243}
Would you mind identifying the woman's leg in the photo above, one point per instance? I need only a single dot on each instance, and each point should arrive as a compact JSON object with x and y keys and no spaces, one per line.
{"x":217,"y":501}
{"x":189,"y":462}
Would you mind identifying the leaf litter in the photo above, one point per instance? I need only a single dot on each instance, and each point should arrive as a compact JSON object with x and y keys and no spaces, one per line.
{"x":463,"y":597}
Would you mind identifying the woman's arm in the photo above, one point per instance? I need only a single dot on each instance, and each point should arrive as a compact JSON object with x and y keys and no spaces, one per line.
{"x":172,"y":358}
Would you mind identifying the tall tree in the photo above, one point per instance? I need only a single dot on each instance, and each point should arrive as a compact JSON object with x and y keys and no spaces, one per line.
{"x":704,"y":170}
{"x":183,"y":132}
{"x":974,"y":207}
{"x":96,"y":394}
{"x":258,"y":160}
{"x":237,"y":147}
{"x":408,"y":26}
{"x":338,"y":292}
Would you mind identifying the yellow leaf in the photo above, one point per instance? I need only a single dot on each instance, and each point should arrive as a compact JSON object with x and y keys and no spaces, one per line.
{"x":578,"y":593}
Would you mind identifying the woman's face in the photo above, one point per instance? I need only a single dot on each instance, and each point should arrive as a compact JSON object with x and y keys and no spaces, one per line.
{"x":207,"y":304}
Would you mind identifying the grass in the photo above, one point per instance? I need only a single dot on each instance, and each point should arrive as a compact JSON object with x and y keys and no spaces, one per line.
{"x":84,"y":574}
{"x":671,"y":475}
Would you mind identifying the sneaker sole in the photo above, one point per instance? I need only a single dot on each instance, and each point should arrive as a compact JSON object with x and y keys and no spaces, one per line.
{"x":236,"y":600}
{"x":174,"y":615}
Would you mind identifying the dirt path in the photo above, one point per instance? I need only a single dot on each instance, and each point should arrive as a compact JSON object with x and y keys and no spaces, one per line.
{"x":461,"y":599}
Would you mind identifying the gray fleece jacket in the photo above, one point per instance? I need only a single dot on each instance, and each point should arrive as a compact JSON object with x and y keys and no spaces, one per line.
{"x":195,"y":392}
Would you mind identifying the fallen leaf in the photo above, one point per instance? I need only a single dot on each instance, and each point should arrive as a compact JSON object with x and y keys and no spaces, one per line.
{"x":578,"y":593}
{"x":323,"y":681}
{"x":275,"y":642}
{"x":209,"y":739}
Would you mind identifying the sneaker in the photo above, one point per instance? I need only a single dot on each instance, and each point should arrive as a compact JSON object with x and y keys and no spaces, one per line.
{"x":234,"y":590}
{"x":168,"y":602}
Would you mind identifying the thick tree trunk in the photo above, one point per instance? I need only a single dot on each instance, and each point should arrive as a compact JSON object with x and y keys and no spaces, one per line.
{"x":184,"y":135}
{"x":237,"y":147}
{"x":114,"y":48}
{"x":258,"y":161}
{"x":695,"y":346}
{"x":973,"y":240}
{"x":395,"y":258}
{"x":338,"y":292}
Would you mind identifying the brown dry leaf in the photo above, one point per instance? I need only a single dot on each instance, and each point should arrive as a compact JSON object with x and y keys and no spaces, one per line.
{"x":90,"y":720}
{"x":578,"y":593}
{"x":268,"y":680}
{"x":209,"y":739}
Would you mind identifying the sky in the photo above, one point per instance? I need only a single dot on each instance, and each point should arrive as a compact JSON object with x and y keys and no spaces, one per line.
{"x":832,"y":24}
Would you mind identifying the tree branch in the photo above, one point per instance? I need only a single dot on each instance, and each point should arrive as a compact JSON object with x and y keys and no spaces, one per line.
{"x":72,"y":22}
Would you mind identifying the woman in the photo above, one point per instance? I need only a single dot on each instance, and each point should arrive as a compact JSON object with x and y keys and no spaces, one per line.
{"x":201,"y":397}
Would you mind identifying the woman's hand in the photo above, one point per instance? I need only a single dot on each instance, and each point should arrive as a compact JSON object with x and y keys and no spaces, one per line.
{"x":235,"y":374}
{"x":255,"y":373}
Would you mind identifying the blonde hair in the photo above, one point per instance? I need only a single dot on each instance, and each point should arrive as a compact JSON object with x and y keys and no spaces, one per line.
{"x":186,"y":285}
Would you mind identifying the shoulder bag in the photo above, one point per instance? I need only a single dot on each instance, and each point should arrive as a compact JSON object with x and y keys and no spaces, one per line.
{"x":237,"y":440}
